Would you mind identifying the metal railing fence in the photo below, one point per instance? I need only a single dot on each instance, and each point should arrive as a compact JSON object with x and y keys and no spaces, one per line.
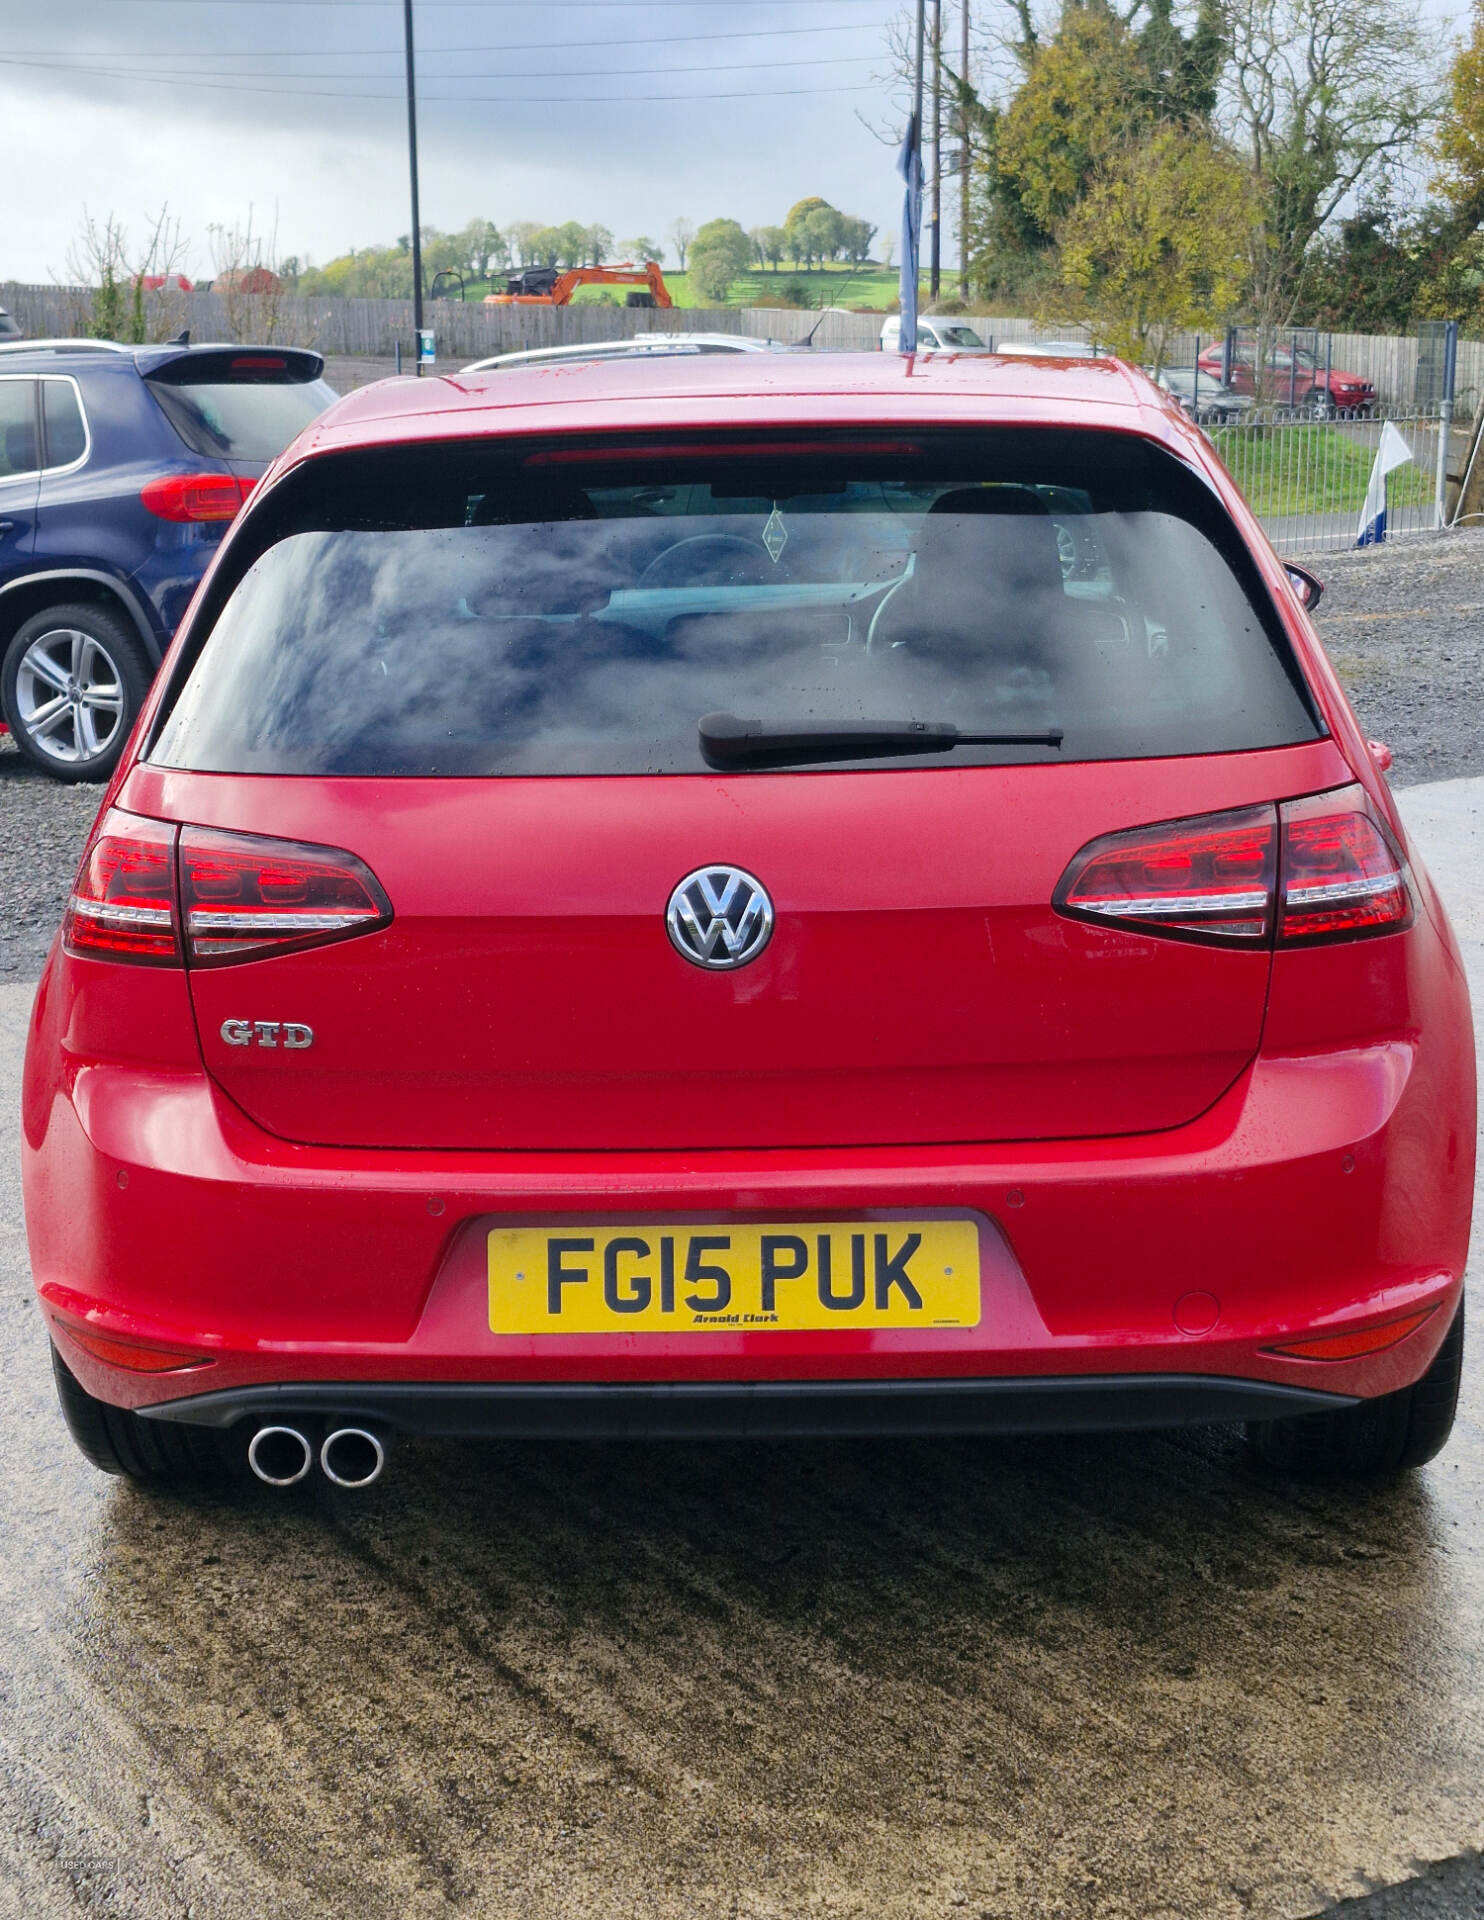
{"x":1306,"y":478}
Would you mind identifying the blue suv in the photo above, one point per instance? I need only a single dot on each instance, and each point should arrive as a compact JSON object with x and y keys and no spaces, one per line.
{"x":120,"y":469}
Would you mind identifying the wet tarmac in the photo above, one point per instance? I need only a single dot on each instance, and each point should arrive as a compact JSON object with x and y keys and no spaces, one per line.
{"x":1115,"y":1677}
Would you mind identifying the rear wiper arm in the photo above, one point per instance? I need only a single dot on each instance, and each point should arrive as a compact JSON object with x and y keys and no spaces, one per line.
{"x":728,"y":741}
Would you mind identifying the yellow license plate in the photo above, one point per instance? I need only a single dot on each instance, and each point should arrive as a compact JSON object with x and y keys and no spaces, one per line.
{"x":683,"y":1279}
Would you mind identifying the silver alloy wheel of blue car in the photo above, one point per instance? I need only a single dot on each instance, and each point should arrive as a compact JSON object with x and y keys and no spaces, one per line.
{"x":70,"y":696}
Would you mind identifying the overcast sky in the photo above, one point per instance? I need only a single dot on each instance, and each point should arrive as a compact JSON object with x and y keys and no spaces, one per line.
{"x":636,"y":143}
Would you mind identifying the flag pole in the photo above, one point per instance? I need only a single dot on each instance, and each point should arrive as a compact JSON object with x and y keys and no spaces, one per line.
{"x":909,"y":165}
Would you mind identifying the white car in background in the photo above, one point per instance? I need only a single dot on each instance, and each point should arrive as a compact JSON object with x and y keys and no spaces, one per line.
{"x":640,"y":345}
{"x":936,"y":335}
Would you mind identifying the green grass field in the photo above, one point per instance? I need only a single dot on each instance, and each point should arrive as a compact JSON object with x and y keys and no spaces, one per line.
{"x":872,"y":286}
{"x":1310,"y":469}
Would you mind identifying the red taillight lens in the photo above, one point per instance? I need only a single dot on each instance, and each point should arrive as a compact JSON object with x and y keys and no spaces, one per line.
{"x":123,"y":899}
{"x":1342,"y":879}
{"x":1211,"y":878}
{"x":244,"y":898}
{"x":1217,"y":877}
{"x":196,"y":496}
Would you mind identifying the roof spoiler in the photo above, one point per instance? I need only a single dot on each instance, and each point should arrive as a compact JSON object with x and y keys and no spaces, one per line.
{"x":222,"y":365}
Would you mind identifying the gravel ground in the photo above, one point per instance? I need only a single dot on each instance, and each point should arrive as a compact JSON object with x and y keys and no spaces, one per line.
{"x":1405,"y":629}
{"x":1404,"y":626}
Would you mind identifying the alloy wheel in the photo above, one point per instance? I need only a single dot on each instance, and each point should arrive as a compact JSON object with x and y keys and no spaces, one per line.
{"x":69,"y":696}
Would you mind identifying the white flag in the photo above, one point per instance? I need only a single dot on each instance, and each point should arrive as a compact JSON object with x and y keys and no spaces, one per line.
{"x":1392,"y":452}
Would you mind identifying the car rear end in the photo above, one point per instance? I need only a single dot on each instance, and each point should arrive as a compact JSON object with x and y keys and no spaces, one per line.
{"x":446,"y":1038}
{"x":148,"y":457}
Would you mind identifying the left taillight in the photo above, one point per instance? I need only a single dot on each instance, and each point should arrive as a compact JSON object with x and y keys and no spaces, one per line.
{"x":1297,"y":874}
{"x":123,"y":904}
{"x":158,"y":895}
{"x":196,"y":496}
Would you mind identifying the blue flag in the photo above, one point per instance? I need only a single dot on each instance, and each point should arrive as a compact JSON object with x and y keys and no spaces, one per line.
{"x":909,"y":166}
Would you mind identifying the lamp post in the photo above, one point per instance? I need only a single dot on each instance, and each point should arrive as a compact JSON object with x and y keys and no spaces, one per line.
{"x":417,"y":243}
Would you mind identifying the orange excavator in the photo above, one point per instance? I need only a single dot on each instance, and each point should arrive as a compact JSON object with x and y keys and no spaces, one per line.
{"x":547,"y":287}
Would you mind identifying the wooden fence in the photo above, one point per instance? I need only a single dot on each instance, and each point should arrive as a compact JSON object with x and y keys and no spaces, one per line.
{"x":468,"y":330}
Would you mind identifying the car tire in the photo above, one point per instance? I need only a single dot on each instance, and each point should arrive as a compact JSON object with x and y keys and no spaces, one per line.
{"x":93,"y":652}
{"x":1385,"y":1435}
{"x":116,"y":1441}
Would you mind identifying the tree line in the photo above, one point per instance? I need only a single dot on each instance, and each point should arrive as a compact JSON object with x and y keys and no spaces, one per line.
{"x":716,"y":254}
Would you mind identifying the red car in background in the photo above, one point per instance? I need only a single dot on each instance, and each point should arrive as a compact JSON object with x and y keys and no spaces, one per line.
{"x":774,"y":896}
{"x":1296,"y":377}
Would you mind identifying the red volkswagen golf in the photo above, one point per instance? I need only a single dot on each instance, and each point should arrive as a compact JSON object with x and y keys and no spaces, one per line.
{"x":830,"y":896}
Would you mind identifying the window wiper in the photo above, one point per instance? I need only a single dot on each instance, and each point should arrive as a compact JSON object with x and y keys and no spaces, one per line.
{"x":728,"y":741}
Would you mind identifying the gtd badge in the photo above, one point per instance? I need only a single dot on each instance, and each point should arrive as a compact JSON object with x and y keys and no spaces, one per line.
{"x":242,"y":1033}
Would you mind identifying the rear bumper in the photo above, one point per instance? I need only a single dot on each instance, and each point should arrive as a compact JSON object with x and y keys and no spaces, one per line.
{"x":1324,"y":1192}
{"x":775,"y":1410}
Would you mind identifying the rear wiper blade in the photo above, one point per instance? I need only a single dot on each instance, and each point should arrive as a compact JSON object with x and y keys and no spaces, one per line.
{"x":728,"y":741}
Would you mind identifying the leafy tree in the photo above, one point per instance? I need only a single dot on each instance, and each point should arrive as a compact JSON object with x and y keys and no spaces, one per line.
{"x":1319,"y":95}
{"x":801,"y":210}
{"x":1158,"y":241}
{"x":1183,"y":70}
{"x":372,"y":273}
{"x":682,"y":233}
{"x":442,"y":252}
{"x":1448,"y":248}
{"x":482,"y":248}
{"x":856,"y":236}
{"x":1380,"y":269}
{"x":813,"y":230}
{"x":597,"y":245}
{"x":642,"y":248}
{"x":544,"y":247}
{"x":821,"y":234}
{"x":571,"y":243}
{"x":774,"y":244}
{"x":522,"y":235}
{"x":1458,"y":142}
{"x":1084,"y":99}
{"x":720,"y":254}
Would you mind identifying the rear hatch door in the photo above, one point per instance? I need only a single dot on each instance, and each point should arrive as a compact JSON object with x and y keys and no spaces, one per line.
{"x":918,"y":986}
{"x":238,"y":407}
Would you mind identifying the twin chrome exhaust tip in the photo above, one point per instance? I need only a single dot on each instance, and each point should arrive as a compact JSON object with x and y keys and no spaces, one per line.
{"x":348,"y":1456}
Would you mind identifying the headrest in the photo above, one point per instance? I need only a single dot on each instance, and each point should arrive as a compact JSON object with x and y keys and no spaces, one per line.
{"x":993,"y":538}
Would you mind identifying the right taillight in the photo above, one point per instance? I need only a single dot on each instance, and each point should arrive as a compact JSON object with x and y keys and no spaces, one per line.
{"x":1341,"y":878}
{"x":1304,"y":872}
{"x":155,"y":894}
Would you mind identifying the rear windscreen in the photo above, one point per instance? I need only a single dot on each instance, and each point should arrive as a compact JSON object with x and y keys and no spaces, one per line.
{"x":554,"y":609}
{"x":240,"y":419}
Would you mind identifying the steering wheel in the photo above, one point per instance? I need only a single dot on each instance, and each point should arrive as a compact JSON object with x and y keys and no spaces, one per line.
{"x":703,"y":553}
